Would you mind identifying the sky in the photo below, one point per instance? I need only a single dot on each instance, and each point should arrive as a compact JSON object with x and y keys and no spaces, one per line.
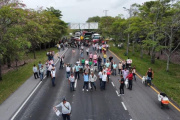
{"x":78,"y":11}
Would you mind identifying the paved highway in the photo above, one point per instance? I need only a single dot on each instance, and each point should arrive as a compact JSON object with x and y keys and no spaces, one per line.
{"x":139,"y":104}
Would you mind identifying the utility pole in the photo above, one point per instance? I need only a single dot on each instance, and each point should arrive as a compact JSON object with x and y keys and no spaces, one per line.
{"x":105,"y":12}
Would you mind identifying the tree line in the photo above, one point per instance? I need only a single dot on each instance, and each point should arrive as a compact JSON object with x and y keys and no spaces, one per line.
{"x":25,"y":30}
{"x":153,"y":26}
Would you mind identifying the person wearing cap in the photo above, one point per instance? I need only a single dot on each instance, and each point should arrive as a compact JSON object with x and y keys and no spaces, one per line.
{"x":86,"y":81}
{"x":120,"y":66}
{"x":92,"y":79}
{"x":104,"y":80}
{"x":53,"y":76}
{"x":41,"y":71}
{"x":71,"y":82}
{"x":66,"y":109}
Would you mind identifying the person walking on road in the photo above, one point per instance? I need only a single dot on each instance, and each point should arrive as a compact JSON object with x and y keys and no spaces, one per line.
{"x":108,"y":73}
{"x":130,"y":78}
{"x":104,"y":56}
{"x":66,"y":109}
{"x":110,"y":58}
{"x":71,"y":82}
{"x":83,"y":62}
{"x":150,"y":76}
{"x":87,"y":51}
{"x":39,"y":66}
{"x":81,"y":53}
{"x":90,"y":56}
{"x":100,"y":77}
{"x":107,"y":64}
{"x":35,"y":71}
{"x":92,"y":80}
{"x":120,"y":66}
{"x":49,"y":69}
{"x":134,"y":72}
{"x":121,"y":85}
{"x":77,"y":68}
{"x":86,"y":81}
{"x":61,"y":63}
{"x":125,"y":73}
{"x":104,"y":80}
{"x":53,"y":76}
{"x":99,"y":62}
{"x":68,"y":70}
{"x":114,"y":68}
{"x":41,"y":70}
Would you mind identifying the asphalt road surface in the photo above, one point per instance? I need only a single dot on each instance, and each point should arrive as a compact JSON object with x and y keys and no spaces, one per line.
{"x":139,"y":104}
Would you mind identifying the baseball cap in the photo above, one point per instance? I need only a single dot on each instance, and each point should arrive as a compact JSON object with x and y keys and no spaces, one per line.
{"x":64,"y":99}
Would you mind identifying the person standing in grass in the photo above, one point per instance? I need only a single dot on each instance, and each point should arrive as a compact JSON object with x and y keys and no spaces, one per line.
{"x":41,"y":70}
{"x":35,"y":71}
{"x":121,"y":85}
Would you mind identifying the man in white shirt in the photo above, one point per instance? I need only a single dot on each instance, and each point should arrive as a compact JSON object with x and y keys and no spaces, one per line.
{"x":71,"y":81}
{"x":104,"y":79}
{"x":68,"y":70}
{"x":66,"y":109}
{"x":35,"y":71}
{"x":53,"y":76}
{"x":49,"y":69}
{"x":100,"y":78}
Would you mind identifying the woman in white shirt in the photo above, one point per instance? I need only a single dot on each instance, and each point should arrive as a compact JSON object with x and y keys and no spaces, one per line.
{"x":92,"y":79}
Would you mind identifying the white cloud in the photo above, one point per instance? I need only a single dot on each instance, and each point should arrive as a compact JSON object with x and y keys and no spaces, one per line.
{"x":80,"y":10}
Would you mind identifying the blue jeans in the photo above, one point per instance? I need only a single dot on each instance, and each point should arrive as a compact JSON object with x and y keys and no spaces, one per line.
{"x":67,"y":74}
{"x":149,"y":80}
{"x":53,"y":81}
{"x":41,"y":76}
{"x":104,"y":60}
{"x":72,"y":86}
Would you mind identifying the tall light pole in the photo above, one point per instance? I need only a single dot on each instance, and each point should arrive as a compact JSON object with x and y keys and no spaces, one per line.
{"x":130,"y":15}
{"x":105,"y":12}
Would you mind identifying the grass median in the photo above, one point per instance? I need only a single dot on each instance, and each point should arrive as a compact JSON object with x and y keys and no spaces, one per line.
{"x":168,"y":82}
{"x":14,"y":79}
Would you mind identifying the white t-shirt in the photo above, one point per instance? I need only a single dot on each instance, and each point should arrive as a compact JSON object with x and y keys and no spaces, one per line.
{"x":72,"y":79}
{"x":87,"y":62}
{"x":68,"y":69}
{"x":66,"y":108}
{"x":53,"y":73}
{"x":104,"y":77}
{"x":100,"y":74}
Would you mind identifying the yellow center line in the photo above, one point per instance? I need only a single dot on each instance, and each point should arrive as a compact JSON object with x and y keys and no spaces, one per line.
{"x":151,"y":86}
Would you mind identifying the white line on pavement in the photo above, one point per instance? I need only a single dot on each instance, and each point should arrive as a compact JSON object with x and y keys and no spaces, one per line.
{"x":117,"y":93}
{"x":75,"y":85}
{"x":124,"y":105}
{"x":32,"y":93}
{"x":26,"y":101}
{"x":112,"y":84}
{"x":130,"y":119}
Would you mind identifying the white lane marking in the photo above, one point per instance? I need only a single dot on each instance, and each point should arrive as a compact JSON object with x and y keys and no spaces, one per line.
{"x":31,"y":94}
{"x":124,"y":105}
{"x":112,"y":84}
{"x":117,"y":93}
{"x":26,"y":101}
{"x":75,"y":85}
{"x":130,"y":119}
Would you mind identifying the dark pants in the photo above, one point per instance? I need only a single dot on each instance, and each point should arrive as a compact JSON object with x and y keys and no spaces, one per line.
{"x":53,"y":81}
{"x":85,"y":85}
{"x":61,"y":65}
{"x":134,"y":76}
{"x":83,"y":64}
{"x":99,"y":64}
{"x":130,"y":84}
{"x":121,"y":89}
{"x":68,"y":74}
{"x":41,"y":76}
{"x":104,"y":60}
{"x":119,"y":71}
{"x":77,"y":75}
{"x":114,"y":71}
{"x":87,"y":53}
{"x":108,"y":77}
{"x":72,"y":86}
{"x":100,"y":79}
{"x":103,"y":85}
{"x":100,"y":50}
{"x":93,"y":84}
{"x":36,"y":75}
{"x":66,"y":117}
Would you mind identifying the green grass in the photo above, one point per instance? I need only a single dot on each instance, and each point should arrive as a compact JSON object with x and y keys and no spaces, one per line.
{"x":14,"y":79}
{"x":168,"y":82}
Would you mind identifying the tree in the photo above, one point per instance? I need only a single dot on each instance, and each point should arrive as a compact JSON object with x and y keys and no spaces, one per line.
{"x":94,"y":19}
